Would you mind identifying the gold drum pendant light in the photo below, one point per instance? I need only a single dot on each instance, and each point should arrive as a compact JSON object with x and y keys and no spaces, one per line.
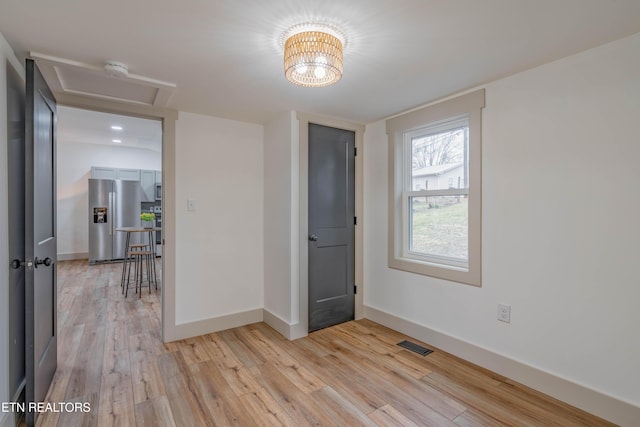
{"x":313,"y":56}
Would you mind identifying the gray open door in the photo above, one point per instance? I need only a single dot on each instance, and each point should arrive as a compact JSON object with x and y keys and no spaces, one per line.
{"x":331,"y":226}
{"x":40,"y":238}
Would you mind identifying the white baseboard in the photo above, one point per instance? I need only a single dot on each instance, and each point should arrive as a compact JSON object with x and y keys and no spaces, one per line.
{"x":592,"y":401}
{"x":289,"y":331}
{"x":73,"y":256}
{"x":207,"y":326}
{"x":298,"y":331}
{"x":277,"y":323}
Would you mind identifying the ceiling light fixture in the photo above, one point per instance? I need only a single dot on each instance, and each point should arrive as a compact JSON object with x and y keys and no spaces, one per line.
{"x":116,"y":127}
{"x":117,"y":141}
{"x":313,"y":54}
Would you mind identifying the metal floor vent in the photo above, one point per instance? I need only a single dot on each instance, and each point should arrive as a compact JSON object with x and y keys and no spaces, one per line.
{"x":423,"y":351}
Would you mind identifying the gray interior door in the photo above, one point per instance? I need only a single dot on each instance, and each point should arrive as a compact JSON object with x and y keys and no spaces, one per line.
{"x":331,"y":226}
{"x":15,"y":152}
{"x":40,"y":238}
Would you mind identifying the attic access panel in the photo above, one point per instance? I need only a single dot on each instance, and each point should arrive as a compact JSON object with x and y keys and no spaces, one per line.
{"x":72,"y":77}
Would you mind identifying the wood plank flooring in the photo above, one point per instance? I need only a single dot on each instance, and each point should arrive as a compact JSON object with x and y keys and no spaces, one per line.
{"x":110,"y":355}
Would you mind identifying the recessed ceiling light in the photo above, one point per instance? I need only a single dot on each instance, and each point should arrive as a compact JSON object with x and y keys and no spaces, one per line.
{"x":117,"y":141}
{"x":115,"y":127}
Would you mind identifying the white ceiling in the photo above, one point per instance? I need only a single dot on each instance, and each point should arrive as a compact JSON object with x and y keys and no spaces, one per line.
{"x":225,"y":61}
{"x":93,"y":127}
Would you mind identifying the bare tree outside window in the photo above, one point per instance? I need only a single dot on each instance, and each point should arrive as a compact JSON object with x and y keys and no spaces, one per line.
{"x":438,"y":149}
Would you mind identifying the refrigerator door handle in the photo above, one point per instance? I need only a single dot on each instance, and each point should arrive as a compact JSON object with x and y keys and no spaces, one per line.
{"x":115,"y":208}
{"x":111,"y":212}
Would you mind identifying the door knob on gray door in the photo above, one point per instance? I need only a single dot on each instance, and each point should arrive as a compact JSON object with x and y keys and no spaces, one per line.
{"x":313,"y":238}
{"x":47,"y":262}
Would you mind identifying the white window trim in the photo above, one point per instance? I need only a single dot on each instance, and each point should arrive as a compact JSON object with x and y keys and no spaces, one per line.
{"x":470,"y":104}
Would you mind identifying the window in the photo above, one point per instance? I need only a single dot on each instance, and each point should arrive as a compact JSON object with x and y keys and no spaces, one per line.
{"x":437,"y":219}
{"x":434,"y":229}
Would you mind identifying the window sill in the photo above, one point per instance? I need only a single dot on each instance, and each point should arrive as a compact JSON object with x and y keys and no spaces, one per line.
{"x":439,"y":271}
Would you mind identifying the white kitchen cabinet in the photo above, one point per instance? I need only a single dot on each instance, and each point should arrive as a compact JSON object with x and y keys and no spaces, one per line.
{"x":148,"y":182}
{"x":128,"y":174}
{"x":98,"y":172}
{"x":148,"y":178}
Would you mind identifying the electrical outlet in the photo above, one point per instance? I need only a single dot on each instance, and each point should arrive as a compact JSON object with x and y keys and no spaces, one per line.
{"x":504,"y":313}
{"x":191,"y":205}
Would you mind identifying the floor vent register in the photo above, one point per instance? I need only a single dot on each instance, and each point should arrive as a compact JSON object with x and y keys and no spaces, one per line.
{"x":423,"y":351}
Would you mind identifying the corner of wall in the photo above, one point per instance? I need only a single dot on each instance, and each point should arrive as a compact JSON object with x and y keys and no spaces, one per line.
{"x":277,"y":323}
{"x":294,"y":297}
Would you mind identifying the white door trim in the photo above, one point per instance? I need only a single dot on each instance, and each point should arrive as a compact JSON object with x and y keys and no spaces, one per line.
{"x":301,"y":329}
{"x":168,"y":118}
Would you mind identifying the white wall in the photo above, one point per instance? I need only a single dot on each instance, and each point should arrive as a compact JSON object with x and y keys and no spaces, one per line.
{"x":280,"y":214}
{"x":74,"y":169}
{"x":6,"y":56}
{"x":219,"y":247}
{"x":559,"y":243}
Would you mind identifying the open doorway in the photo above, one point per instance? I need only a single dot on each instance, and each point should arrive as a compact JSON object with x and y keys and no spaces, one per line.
{"x":97,"y":145}
{"x":102,"y":148}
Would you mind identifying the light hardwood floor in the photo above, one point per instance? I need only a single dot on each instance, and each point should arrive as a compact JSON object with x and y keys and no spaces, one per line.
{"x":111,"y":355}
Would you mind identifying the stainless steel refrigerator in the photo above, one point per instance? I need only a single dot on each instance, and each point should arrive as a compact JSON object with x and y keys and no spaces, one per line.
{"x":112,"y":204}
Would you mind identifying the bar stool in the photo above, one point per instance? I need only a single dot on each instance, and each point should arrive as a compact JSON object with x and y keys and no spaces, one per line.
{"x":128,"y":258}
{"x":143,"y":265}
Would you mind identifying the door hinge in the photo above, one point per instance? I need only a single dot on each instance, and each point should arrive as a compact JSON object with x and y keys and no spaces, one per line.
{"x":355,"y":151}
{"x":355,"y":220}
{"x":355,"y":289}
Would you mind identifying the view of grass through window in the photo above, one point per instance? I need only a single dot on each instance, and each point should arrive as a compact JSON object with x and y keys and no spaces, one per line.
{"x":439,"y":226}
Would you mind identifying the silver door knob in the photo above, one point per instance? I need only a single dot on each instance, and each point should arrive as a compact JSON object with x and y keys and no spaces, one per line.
{"x":313,"y":238}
